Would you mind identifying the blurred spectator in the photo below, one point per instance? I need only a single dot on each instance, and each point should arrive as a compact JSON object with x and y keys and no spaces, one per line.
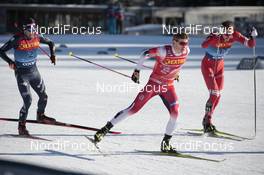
{"x":119,"y":14}
{"x":111,"y":19}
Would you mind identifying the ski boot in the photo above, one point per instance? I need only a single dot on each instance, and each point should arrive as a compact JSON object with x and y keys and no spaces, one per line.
{"x":208,"y":127}
{"x":42,"y":118}
{"x":165,"y":145}
{"x":22,"y":130}
{"x":102,"y":132}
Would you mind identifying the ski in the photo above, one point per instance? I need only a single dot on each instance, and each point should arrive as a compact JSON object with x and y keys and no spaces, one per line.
{"x":26,"y":137}
{"x":214,"y":135}
{"x":180,"y":155}
{"x":57,"y":123}
{"x":222,"y":134}
{"x":233,"y":135}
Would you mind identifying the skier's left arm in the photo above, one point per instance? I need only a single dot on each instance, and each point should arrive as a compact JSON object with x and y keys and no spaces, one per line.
{"x":248,"y":42}
{"x":144,"y":56}
{"x":51,"y":45}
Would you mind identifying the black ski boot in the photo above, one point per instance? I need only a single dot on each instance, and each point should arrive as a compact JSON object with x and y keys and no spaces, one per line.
{"x":42,"y":118}
{"x":102,"y":132}
{"x":165,"y":145}
{"x":22,"y":129}
{"x":208,"y":127}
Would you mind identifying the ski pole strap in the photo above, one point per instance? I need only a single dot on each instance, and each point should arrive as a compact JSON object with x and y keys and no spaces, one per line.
{"x":88,"y":61}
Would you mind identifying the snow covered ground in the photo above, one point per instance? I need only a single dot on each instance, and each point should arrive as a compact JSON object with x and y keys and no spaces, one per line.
{"x":75,"y":90}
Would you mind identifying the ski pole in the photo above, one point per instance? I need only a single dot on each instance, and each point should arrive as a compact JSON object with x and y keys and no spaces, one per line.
{"x":118,"y":56}
{"x":44,"y":51}
{"x":71,"y":54}
{"x":255,"y":91}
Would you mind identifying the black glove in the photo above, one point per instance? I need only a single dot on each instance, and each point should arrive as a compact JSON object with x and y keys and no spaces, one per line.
{"x":12,"y":65}
{"x":177,"y":77}
{"x":135,"y":76}
{"x":53,"y":59}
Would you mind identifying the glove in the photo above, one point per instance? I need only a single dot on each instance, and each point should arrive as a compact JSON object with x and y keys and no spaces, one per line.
{"x":135,"y":76}
{"x":12,"y":66}
{"x":53,"y":59}
{"x":177,"y":77}
{"x":253,"y":32}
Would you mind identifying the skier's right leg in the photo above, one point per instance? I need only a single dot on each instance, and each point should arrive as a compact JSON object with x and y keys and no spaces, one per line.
{"x":209,"y":67}
{"x":171,"y":102}
{"x":24,"y":89}
{"x":145,"y":94}
{"x":38,"y":85}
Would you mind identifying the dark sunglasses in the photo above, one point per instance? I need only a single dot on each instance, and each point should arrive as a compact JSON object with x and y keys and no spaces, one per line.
{"x":30,"y":28}
{"x":182,"y":43}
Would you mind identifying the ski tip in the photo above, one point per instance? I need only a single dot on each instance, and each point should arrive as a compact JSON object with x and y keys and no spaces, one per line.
{"x":116,"y":55}
{"x":70,"y":53}
{"x":222,"y":160}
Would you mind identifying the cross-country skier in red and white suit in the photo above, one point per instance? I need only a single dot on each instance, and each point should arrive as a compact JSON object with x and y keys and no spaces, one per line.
{"x":169,"y":60}
{"x":216,"y":47}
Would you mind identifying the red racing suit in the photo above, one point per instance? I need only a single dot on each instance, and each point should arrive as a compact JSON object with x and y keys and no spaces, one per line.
{"x":212,"y":67}
{"x":167,"y":66}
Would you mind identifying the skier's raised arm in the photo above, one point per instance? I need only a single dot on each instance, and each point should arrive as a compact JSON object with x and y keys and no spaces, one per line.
{"x":248,"y":42}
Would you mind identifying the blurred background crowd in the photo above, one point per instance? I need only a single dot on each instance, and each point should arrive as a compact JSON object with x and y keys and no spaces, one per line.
{"x":133,"y":17}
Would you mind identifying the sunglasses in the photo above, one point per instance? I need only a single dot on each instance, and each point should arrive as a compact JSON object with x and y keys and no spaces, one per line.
{"x":30,"y":28}
{"x":182,"y":43}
